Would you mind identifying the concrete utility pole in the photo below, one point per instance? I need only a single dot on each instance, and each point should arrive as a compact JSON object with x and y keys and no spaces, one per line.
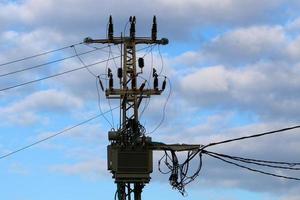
{"x":130,"y":152}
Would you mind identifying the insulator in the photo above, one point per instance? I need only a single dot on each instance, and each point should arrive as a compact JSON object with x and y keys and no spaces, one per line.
{"x":154,"y":29}
{"x":120,"y":73}
{"x":100,"y":83}
{"x":142,"y":86}
{"x":155,"y":83}
{"x":164,"y":84}
{"x":154,"y":72}
{"x":110,"y":29}
{"x":132,"y":28}
{"x":141,"y":62}
{"x":111,"y":82}
{"x":109,"y":72}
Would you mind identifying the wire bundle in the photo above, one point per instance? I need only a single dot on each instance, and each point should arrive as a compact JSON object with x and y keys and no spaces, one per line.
{"x":179,"y":178}
{"x":240,"y":162}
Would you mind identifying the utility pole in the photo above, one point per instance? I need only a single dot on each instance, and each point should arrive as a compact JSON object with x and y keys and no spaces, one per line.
{"x":130,"y":152}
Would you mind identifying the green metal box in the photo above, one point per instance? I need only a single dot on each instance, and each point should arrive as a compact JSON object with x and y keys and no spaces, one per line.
{"x":130,"y":164}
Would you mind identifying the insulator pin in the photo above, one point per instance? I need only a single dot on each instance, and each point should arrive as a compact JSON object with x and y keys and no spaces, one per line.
{"x":111,"y":82}
{"x":120,"y":73}
{"x":110,"y":29}
{"x":155,"y":83}
{"x":141,"y":62}
{"x":164,"y":84}
{"x":154,"y":29}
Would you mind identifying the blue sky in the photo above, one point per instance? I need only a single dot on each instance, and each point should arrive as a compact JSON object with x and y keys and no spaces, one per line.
{"x":234,"y":67}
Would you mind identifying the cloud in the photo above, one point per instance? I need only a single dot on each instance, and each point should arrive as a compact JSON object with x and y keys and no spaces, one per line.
{"x":248,"y":45}
{"x":66,"y":16}
{"x":253,"y":68}
{"x":25,"y":111}
{"x":91,"y":169}
{"x":268,"y":90}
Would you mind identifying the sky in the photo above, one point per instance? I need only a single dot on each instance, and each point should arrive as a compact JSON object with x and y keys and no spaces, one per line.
{"x":234,"y":69}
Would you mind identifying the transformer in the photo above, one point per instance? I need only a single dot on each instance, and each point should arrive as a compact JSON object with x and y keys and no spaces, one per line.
{"x":130,"y":163}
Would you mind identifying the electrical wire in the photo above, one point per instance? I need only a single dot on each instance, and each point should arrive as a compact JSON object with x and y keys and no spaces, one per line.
{"x":125,"y":27}
{"x":99,"y":104}
{"x":51,"y":76}
{"x":245,"y":137}
{"x":54,"y":135}
{"x":108,"y":100}
{"x":151,"y":63}
{"x":164,"y":108}
{"x":58,"y":74}
{"x":149,"y":50}
{"x":179,"y":177}
{"x":40,"y":54}
{"x":252,"y":136}
{"x":94,"y":47}
{"x":97,"y":78}
{"x":81,"y":61}
{"x":161,"y":59}
{"x":109,"y":103}
{"x":51,"y":62}
{"x":253,"y":170}
{"x":264,"y":163}
{"x":146,"y":102}
{"x":111,"y":52}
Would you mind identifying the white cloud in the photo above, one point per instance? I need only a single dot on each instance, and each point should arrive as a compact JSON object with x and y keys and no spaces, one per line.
{"x":248,"y":45}
{"x":255,"y":69}
{"x":25,"y":111}
{"x":265,"y":89}
{"x":92,"y":169}
{"x":173,"y":15}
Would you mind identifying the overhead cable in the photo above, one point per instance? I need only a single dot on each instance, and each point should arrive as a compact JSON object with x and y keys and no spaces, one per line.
{"x":252,"y":136}
{"x":40,"y":54}
{"x":54,"y":135}
{"x":253,"y":170}
{"x":50,"y":62}
{"x":61,"y":73}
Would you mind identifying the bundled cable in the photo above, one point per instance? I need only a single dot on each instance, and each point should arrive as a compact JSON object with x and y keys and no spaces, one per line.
{"x":237,"y":162}
{"x":179,"y":177}
{"x":263,"y":163}
{"x":179,"y":172}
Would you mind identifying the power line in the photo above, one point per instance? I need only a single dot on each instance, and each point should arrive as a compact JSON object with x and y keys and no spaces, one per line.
{"x":263,"y":163}
{"x":51,"y":76}
{"x":52,"y":136}
{"x":164,"y":108}
{"x":97,"y":78}
{"x":254,"y":170}
{"x":242,"y":138}
{"x":51,"y":62}
{"x":59,"y":74}
{"x":99,"y":101}
{"x":252,"y":136}
{"x":81,"y":61}
{"x":40,"y":54}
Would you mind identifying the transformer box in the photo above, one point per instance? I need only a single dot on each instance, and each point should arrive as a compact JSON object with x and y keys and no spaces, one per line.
{"x":130,"y":164}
